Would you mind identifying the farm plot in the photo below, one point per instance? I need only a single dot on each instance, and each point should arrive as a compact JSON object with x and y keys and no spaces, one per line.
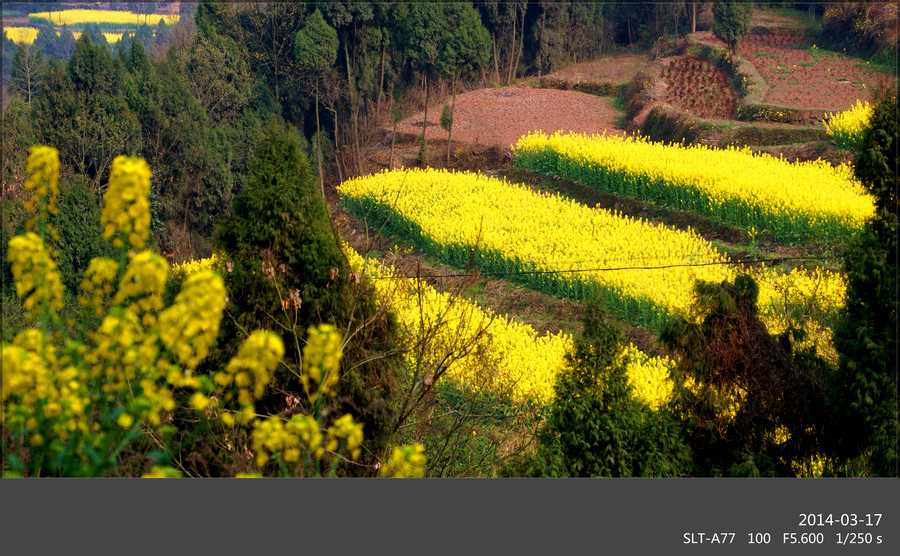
{"x":520,"y":361}
{"x":801,"y":75}
{"x":643,"y":271}
{"x":698,"y":87}
{"x":801,"y":201}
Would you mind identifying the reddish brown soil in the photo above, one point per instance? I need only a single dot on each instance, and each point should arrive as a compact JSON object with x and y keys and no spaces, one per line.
{"x":698,"y":87}
{"x":798,"y":78}
{"x":501,"y":116}
{"x":617,"y":69}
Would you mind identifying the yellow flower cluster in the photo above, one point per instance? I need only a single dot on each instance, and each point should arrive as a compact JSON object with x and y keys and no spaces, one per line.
{"x":97,"y":283}
{"x":185,"y":269}
{"x":50,"y":393}
{"x":126,"y":209}
{"x":252,"y":369}
{"x":522,"y":361}
{"x":801,"y":200}
{"x":80,"y":17}
{"x":290,"y":438}
{"x":43,"y":180}
{"x":345,"y":431}
{"x":406,"y":461}
{"x":190,"y":325}
{"x":321,"y":361}
{"x":846,"y":128}
{"x":35,"y":273}
{"x":143,"y":285}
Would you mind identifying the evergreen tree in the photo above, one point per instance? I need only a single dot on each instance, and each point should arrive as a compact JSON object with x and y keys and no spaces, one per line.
{"x":289,"y":273}
{"x":731,"y":21}
{"x":863,"y":392}
{"x":596,"y":427}
{"x":315,"y":48}
{"x":751,"y":404}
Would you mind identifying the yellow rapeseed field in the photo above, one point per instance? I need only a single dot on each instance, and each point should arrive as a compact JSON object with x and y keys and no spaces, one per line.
{"x":793,"y":201}
{"x":21,"y":35}
{"x":81,"y":17}
{"x":534,"y":235}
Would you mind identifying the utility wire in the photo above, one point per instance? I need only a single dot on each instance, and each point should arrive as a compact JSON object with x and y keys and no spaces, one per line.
{"x":610,"y":269}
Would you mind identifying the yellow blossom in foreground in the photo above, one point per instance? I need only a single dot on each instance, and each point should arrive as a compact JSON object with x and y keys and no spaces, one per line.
{"x":346,"y":431}
{"x":35,"y":273}
{"x":189,"y":327}
{"x":252,"y":369}
{"x":321,"y":361}
{"x":126,"y":209}
{"x":406,"y":461}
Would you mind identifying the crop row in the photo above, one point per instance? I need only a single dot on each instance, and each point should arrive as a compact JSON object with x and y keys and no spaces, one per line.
{"x":792,"y":201}
{"x":642,"y":271}
{"x":106,"y":19}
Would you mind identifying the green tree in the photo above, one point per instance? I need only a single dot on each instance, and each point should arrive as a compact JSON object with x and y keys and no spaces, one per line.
{"x":25,"y":72}
{"x":596,"y":427}
{"x":80,"y":107}
{"x":465,"y":49}
{"x":751,"y":404}
{"x":315,"y":48}
{"x":731,"y":21}
{"x":863,"y":392}
{"x":289,"y":273}
{"x":422,"y":30}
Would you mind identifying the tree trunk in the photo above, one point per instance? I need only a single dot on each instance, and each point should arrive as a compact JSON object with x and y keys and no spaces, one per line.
{"x":393,"y":133}
{"x":541,"y":41}
{"x":354,"y":108}
{"x":453,"y":112}
{"x":521,"y":45}
{"x":425,"y":119}
{"x":319,"y":143}
{"x":694,"y":17}
{"x":512,"y":48}
{"x":496,"y":59}
{"x":381,"y":79}
{"x":337,"y":158}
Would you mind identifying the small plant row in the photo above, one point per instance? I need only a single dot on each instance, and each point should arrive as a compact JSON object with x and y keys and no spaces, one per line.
{"x":644,"y":272}
{"x":802,"y":201}
{"x":105,"y":19}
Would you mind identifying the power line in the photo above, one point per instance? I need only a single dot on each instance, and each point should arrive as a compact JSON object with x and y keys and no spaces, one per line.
{"x":610,"y":269}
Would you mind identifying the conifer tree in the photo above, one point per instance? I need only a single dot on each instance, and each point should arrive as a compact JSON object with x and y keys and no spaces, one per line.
{"x":863,"y":392}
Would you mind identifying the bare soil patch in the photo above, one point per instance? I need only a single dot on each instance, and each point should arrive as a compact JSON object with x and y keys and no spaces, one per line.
{"x":620,"y":68}
{"x":501,"y":116}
